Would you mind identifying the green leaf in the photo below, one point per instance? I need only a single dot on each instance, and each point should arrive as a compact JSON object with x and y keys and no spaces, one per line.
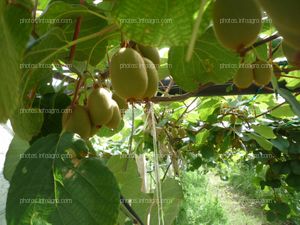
{"x":37,"y":53}
{"x":106,"y":132}
{"x":53,"y":104}
{"x":126,"y":172}
{"x":291,"y":99}
{"x":271,"y":216}
{"x":163,"y":70}
{"x":156,"y":22}
{"x":295,"y":165}
{"x":172,"y":198}
{"x":93,"y":50}
{"x":264,"y":131}
{"x":201,"y":137}
{"x":280,"y":208}
{"x":27,"y":123}
{"x":278,"y":168}
{"x":281,"y":144}
{"x":13,"y":39}
{"x":72,"y":190}
{"x":293,"y":181}
{"x":294,"y":148}
{"x":288,"y":96}
{"x":207,"y":107}
{"x":16,"y":148}
{"x":263,"y":142}
{"x":210,"y":63}
{"x":283,"y":112}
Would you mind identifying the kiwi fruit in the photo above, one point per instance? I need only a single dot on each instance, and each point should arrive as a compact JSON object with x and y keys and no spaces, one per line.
{"x":262,"y":72}
{"x":116,"y":117}
{"x":290,"y":38}
{"x":236,"y":23}
{"x":150,"y":53}
{"x":285,"y":17}
{"x":94,"y":130}
{"x":244,"y":76}
{"x":99,"y":106}
{"x":292,"y":54}
{"x":128,"y":74}
{"x":123,"y":105}
{"x":76,"y":120}
{"x":152,"y":79}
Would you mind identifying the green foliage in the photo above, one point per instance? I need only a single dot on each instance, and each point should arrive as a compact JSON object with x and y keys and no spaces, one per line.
{"x":54,"y":178}
{"x":208,"y":62}
{"x":170,"y":24}
{"x":16,"y":148}
{"x":27,"y":124}
{"x":13,"y":45}
{"x":50,"y":61}
{"x":126,"y":173}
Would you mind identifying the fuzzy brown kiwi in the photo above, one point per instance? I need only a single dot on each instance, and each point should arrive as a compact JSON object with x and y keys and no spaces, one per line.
{"x":262,"y":72}
{"x":152,"y":79}
{"x":116,"y":118}
{"x":292,"y":54}
{"x":123,"y":105}
{"x":149,"y":53}
{"x":99,"y":106}
{"x":236,"y":23}
{"x":285,"y":17}
{"x":128,"y":74}
{"x":76,"y":120}
{"x":244,"y":76}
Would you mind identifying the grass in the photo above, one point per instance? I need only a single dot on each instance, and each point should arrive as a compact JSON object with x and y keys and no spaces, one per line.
{"x":238,"y":201}
{"x":200,"y":206}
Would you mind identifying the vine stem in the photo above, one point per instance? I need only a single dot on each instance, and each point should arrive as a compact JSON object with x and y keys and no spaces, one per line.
{"x":78,"y":85}
{"x":195,"y":31}
{"x":33,"y":32}
{"x":259,"y":43}
{"x":132,"y":130}
{"x":75,"y":36}
{"x":288,"y":76}
{"x":105,"y":30}
{"x":272,"y":109}
{"x":180,"y":97}
{"x":185,"y":111}
{"x":156,"y":166}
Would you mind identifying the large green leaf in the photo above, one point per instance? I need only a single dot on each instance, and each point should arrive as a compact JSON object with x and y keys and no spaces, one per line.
{"x":207,"y":107}
{"x":13,"y":39}
{"x":16,"y":148}
{"x":93,"y":50}
{"x":171,"y":202}
{"x":263,"y":142}
{"x":210,"y":63}
{"x":27,"y":122}
{"x":291,"y":99}
{"x":53,"y":186}
{"x":264,"y":131}
{"x":288,"y":96}
{"x":156,"y":22}
{"x":35,"y":68}
{"x":126,"y":173}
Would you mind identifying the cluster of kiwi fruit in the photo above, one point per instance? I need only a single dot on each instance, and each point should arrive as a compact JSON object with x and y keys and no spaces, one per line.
{"x":238,"y":23}
{"x":101,"y":110}
{"x":259,"y":72}
{"x":134,"y":76}
{"x":133,"y":72}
